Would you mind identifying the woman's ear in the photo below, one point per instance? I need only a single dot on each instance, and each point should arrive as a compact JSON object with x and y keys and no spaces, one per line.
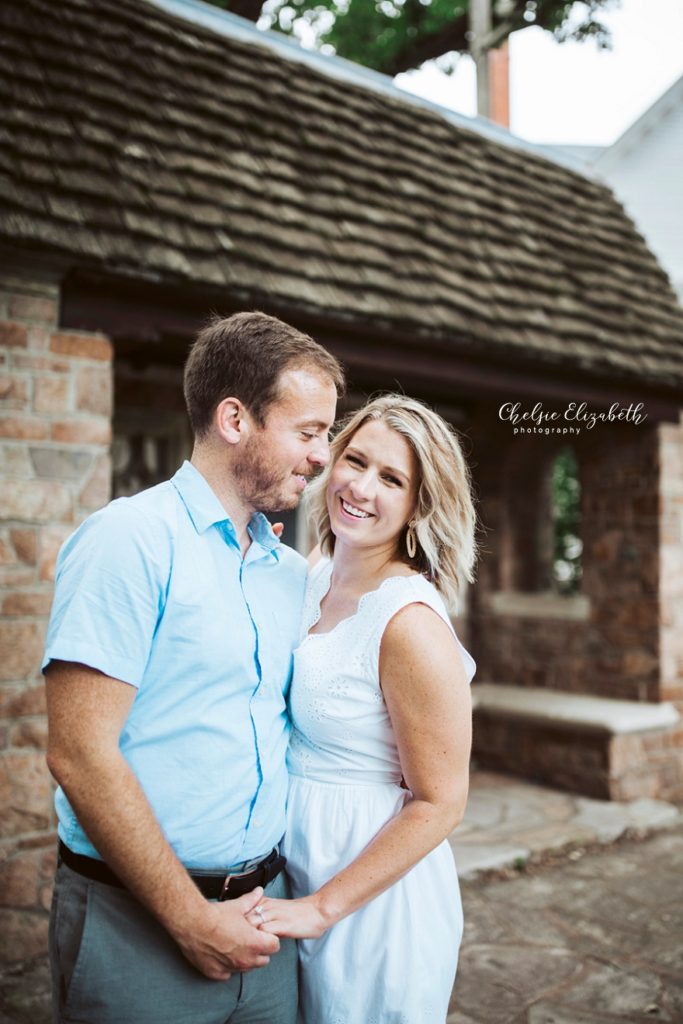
{"x":231,"y":420}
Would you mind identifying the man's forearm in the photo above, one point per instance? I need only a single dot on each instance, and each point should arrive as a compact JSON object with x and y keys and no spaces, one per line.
{"x":87,"y":711}
{"x":115,"y":814}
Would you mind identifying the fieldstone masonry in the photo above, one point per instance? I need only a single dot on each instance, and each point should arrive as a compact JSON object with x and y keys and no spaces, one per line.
{"x":55,"y":434}
{"x":624,"y":641}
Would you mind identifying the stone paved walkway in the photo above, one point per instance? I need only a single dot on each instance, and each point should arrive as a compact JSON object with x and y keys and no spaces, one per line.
{"x":593,"y":938}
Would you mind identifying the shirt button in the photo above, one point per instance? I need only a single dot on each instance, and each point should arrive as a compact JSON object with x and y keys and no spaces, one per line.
{"x":257,"y":822}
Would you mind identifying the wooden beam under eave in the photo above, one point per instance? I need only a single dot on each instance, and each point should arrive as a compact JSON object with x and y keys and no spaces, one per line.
{"x":150,"y":323}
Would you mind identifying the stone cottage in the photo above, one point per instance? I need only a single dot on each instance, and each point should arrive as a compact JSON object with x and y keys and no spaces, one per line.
{"x":161,"y":161}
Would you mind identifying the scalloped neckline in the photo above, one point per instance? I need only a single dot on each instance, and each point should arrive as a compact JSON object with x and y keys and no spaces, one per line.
{"x":361,"y":600}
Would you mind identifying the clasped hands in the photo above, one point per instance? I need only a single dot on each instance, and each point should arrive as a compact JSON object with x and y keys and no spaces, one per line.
{"x":243,"y":934}
{"x":291,"y":919}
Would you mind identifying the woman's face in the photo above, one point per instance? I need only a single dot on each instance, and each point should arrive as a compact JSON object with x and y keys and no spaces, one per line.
{"x":372,"y":488}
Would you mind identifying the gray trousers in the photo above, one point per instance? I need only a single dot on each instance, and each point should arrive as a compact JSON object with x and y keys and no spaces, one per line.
{"x":113,"y":963}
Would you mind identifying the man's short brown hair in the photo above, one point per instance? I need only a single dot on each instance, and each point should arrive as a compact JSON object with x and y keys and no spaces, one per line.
{"x":243,"y":356}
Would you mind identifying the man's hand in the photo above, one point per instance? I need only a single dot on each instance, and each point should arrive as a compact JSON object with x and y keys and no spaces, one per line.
{"x":293,"y":919}
{"x":224,"y":941}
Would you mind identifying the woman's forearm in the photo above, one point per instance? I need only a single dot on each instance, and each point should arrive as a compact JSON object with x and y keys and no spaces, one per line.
{"x":408,"y":837}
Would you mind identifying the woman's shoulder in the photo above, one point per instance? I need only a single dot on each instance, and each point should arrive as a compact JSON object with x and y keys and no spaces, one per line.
{"x":413,"y":593}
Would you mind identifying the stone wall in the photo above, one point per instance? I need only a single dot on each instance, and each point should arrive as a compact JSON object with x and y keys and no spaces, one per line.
{"x":55,"y":433}
{"x":623,"y":638}
{"x":671,"y":561}
{"x":609,"y":646}
{"x":667,"y":757}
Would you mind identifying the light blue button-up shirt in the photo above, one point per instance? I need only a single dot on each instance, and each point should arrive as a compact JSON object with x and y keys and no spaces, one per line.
{"x":153,"y":590}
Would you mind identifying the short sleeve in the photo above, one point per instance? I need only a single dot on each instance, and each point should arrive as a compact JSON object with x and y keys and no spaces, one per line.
{"x":110,"y":587}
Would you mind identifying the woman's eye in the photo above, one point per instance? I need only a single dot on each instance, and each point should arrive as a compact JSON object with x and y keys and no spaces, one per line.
{"x":393,"y":480}
{"x":353,"y":460}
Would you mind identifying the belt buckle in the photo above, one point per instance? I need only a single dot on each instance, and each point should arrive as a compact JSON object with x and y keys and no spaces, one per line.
{"x":228,"y":878}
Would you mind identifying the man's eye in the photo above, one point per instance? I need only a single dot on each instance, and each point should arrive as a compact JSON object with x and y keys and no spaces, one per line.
{"x":308,"y":435}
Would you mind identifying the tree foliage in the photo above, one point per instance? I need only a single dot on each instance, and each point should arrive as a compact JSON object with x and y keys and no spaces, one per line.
{"x":395,"y":35}
{"x":566,"y":514}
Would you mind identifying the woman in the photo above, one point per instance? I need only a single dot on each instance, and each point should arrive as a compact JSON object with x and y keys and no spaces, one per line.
{"x":381,"y":726}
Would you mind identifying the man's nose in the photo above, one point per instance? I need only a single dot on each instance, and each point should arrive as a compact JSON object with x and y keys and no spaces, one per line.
{"x":319,"y":453}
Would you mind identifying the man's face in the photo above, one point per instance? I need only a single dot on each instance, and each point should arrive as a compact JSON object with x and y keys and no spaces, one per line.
{"x":279,"y":458}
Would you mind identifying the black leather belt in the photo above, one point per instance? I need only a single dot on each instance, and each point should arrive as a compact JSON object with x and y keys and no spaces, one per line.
{"x":214,"y":887}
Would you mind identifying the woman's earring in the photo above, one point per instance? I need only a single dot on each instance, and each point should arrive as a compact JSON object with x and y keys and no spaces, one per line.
{"x":411,"y":541}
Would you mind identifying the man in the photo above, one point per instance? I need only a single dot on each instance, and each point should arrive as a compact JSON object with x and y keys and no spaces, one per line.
{"x":168,"y":656}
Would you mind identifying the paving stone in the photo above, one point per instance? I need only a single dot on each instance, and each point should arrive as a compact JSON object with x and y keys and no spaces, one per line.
{"x":495,"y":980}
{"x":484,"y":922}
{"x":608,"y":821}
{"x":668,"y":958}
{"x":653,"y":891}
{"x":483,"y":810}
{"x":554,"y":836}
{"x":621,"y":922}
{"x":455,"y":1017}
{"x":612,"y":989}
{"x":673,"y":997}
{"x":538,"y":891}
{"x":475,"y":857}
{"x":545,"y":928}
{"x":547,"y":1013}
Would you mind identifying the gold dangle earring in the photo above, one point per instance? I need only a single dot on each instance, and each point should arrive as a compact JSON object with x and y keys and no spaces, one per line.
{"x":411,"y":541}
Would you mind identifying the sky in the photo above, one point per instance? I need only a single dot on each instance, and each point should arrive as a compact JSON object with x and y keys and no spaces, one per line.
{"x":573,"y":92}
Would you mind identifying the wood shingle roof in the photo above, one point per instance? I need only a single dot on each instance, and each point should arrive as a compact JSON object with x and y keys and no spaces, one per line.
{"x":132,"y":140}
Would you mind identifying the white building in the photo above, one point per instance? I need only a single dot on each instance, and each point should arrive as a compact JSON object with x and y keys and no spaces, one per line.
{"x":645,"y":170}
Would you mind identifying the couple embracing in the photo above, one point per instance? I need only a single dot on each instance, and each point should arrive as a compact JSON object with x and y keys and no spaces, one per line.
{"x":218,"y":710}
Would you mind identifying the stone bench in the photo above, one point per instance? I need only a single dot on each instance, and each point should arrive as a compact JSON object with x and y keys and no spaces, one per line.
{"x":611,"y":749}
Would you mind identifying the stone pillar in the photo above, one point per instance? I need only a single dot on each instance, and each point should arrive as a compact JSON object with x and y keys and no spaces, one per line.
{"x":671,"y":562}
{"x":620,"y":528}
{"x":55,"y":433}
{"x":666,"y":756}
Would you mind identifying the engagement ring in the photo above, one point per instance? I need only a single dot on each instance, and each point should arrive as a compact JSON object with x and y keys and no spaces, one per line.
{"x":259,"y":910}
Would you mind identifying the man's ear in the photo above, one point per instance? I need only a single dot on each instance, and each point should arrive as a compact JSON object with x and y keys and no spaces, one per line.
{"x":231,"y":420}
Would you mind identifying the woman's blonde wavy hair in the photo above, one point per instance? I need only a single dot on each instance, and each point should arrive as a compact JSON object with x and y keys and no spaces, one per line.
{"x":444,"y":515}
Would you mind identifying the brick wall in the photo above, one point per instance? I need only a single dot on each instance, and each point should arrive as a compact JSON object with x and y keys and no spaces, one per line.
{"x":55,"y":432}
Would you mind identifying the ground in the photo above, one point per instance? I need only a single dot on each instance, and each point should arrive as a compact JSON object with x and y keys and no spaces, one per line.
{"x":590,"y":939}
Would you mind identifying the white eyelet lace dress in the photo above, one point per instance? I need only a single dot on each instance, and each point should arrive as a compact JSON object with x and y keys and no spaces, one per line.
{"x":394,"y":960}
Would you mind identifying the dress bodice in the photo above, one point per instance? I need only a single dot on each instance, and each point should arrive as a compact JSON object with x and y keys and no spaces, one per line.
{"x":341,"y":727}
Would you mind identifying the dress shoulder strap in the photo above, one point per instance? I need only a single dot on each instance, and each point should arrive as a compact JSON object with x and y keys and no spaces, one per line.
{"x":398,"y":592}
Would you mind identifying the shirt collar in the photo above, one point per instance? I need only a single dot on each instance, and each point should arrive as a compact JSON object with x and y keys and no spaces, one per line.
{"x":261,"y":532}
{"x":205,"y":510}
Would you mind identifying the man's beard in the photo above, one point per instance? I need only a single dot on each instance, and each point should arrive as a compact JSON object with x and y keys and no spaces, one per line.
{"x":262,"y":485}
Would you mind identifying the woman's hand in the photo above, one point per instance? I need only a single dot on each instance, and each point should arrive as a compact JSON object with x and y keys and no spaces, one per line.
{"x":291,"y":919}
